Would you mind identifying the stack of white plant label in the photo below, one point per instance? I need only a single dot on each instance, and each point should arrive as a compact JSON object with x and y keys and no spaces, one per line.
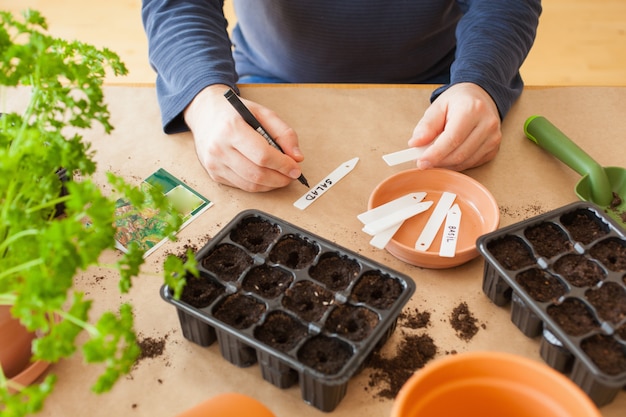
{"x":384,"y":221}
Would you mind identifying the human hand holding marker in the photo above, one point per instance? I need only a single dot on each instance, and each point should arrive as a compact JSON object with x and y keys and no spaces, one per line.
{"x":233,"y":99}
{"x":232,"y":153}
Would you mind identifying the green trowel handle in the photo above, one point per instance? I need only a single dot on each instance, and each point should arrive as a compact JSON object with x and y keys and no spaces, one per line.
{"x":549,"y":137}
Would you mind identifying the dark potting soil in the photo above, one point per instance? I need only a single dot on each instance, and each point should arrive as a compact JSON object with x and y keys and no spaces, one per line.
{"x":615,"y":204}
{"x":267,"y":281}
{"x":464,"y":322}
{"x":151,"y":347}
{"x":388,"y":375}
{"x":377,"y":290}
{"x":227,"y":262}
{"x":294,"y":252}
{"x":621,"y":332}
{"x":617,"y":200}
{"x":201,"y":292}
{"x":548,"y":239}
{"x":281,"y":331}
{"x":522,"y":212}
{"x":611,"y":253}
{"x":606,"y":353}
{"x":573,"y":316}
{"x":609,"y":301}
{"x":255,"y":234}
{"x":511,"y":252}
{"x":414,"y":319}
{"x":327,"y":355}
{"x":187,"y":247}
{"x":540,"y":285}
{"x":579,"y":271}
{"x":308,"y":300}
{"x":239,"y":311}
{"x":334,"y":271}
{"x":352,"y":322}
{"x":584,"y":226}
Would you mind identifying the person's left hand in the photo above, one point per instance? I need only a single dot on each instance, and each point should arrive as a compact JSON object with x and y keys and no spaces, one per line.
{"x":463,"y":127}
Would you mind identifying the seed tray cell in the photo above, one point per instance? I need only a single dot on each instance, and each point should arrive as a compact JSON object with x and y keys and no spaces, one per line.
{"x":564,"y":272}
{"x":305,"y":309}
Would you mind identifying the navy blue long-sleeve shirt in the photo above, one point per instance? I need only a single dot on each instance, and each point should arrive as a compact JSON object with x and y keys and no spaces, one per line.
{"x":348,"y":41}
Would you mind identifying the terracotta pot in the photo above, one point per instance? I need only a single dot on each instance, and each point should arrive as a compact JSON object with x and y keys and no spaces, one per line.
{"x":491,"y":384}
{"x":229,"y":405}
{"x":15,"y":350}
{"x":15,"y":344}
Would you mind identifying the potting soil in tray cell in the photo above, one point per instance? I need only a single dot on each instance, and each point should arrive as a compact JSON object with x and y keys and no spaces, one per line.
{"x":306,"y":310}
{"x":565,"y":272}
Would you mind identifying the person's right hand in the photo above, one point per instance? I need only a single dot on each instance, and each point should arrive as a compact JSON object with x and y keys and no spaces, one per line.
{"x":235,"y":154}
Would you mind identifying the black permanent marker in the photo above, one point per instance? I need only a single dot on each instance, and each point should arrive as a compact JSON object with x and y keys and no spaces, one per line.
{"x":233,"y":99}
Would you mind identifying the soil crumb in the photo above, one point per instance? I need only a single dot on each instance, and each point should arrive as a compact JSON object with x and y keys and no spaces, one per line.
{"x":151,"y":347}
{"x":528,"y":210}
{"x":617,"y":200}
{"x":181,"y":252}
{"x":464,"y":322}
{"x":615,"y":207}
{"x":415,"y":319}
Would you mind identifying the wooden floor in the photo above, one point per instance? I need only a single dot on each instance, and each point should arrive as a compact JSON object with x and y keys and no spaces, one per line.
{"x":579,"y":42}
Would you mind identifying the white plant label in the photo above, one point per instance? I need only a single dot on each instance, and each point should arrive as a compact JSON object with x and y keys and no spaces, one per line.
{"x":381,"y":239}
{"x":320,"y":188}
{"x":450,"y":232}
{"x":406,"y":155}
{"x":435,"y":221}
{"x":396,"y":217}
{"x":391,"y":207}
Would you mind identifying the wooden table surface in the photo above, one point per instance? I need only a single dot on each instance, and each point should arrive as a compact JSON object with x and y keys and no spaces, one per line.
{"x":335,"y":123}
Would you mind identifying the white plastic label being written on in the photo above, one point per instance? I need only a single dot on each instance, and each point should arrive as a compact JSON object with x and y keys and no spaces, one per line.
{"x":320,"y":188}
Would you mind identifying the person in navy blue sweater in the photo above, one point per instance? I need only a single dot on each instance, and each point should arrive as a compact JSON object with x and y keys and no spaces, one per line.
{"x":472,"y":48}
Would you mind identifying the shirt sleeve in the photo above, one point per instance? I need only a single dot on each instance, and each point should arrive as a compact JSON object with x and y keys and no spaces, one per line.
{"x":493,"y":40}
{"x":189,"y":48}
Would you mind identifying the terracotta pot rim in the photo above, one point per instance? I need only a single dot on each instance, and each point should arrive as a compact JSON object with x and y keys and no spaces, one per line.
{"x":564,"y":388}
{"x":229,"y":404}
{"x":32,"y":371}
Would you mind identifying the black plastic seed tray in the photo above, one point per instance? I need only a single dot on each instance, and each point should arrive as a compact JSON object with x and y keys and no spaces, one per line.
{"x":305,"y":309}
{"x":565,"y":273}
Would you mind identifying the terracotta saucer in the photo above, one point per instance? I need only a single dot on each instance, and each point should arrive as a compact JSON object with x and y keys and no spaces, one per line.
{"x":480,"y":214}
